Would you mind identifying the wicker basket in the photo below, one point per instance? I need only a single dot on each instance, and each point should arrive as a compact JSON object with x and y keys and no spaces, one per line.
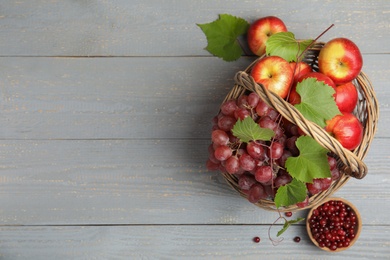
{"x":350,"y":163}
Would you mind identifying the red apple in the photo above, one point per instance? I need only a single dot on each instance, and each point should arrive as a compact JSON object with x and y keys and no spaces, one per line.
{"x":346,"y":97}
{"x":260,"y":30}
{"x":341,"y":60}
{"x":347,"y":129}
{"x":295,"y":98}
{"x":274,"y":73}
{"x":300,"y":68}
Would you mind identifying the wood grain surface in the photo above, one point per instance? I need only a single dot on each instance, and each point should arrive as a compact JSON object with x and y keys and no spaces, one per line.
{"x":105,"y":118}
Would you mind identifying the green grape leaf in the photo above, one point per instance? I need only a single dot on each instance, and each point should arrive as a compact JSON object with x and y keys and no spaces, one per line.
{"x":311,"y":163}
{"x":291,"y":193}
{"x":248,"y":130}
{"x":284,"y":44}
{"x":287,"y":224}
{"x":222,"y":36}
{"x":317,"y":101}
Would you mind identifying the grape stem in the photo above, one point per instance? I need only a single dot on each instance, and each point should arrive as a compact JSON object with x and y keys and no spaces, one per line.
{"x":275,"y":242}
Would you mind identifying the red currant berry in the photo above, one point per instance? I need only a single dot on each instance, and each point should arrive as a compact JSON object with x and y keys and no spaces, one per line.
{"x":256,"y":239}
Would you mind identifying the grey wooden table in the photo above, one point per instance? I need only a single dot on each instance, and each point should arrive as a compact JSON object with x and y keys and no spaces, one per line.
{"x":105,"y":115}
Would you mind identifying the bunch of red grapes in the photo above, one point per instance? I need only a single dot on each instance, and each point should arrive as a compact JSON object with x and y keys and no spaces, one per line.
{"x":259,"y":166}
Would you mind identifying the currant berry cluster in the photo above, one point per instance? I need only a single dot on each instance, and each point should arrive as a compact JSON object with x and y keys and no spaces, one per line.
{"x":333,"y":225}
{"x":258,"y":165}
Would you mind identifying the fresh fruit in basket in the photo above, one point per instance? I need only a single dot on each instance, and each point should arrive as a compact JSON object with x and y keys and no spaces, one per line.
{"x":298,"y":163}
{"x":260,"y":30}
{"x":274,"y":73}
{"x":346,"y":97}
{"x":341,"y":60}
{"x":347,"y":129}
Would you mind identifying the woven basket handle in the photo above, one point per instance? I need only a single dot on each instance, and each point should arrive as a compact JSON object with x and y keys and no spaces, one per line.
{"x":352,"y":164}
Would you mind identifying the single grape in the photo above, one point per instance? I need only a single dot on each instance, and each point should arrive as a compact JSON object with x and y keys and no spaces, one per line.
{"x":256,"y":193}
{"x":223,"y":153}
{"x":247,"y":162}
{"x":253,"y":99}
{"x":276,"y":150}
{"x":256,"y":150}
{"x":228,"y":107}
{"x":243,"y":101}
{"x":241,"y":113}
{"x":219,"y":137}
{"x":267,"y":122}
{"x":226,"y":123}
{"x":245,"y":181}
{"x":262,"y":108}
{"x":232,"y":165}
{"x":264,"y":174}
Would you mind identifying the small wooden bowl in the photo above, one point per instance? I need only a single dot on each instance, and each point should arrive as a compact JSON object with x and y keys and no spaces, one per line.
{"x":358,"y":227}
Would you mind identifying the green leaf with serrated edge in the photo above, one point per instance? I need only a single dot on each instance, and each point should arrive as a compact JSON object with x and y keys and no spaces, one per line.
{"x":284,"y":44}
{"x":222,"y":36}
{"x":317,"y":101}
{"x":248,"y":130}
{"x":287,"y":224}
{"x":311,"y":163}
{"x":291,"y":193}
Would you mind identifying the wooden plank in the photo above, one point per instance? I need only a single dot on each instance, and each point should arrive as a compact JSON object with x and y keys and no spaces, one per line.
{"x":144,"y":182}
{"x":177,"y":242}
{"x":150,"y":28}
{"x":105,"y":121}
{"x":84,"y":98}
